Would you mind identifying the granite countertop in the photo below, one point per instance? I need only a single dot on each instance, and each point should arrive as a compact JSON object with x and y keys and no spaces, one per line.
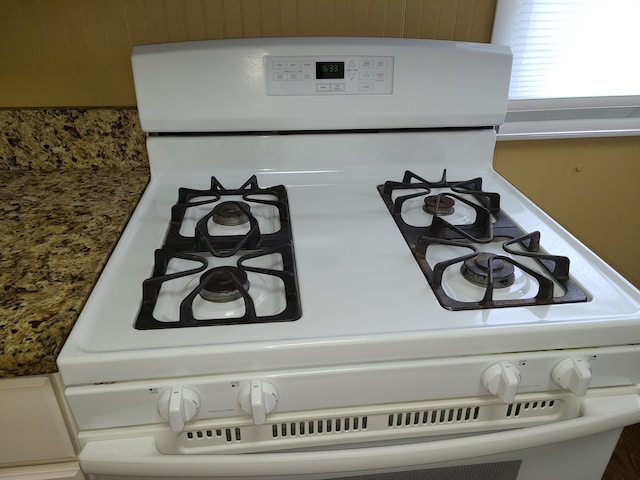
{"x":69,"y":181}
{"x":57,"y":230}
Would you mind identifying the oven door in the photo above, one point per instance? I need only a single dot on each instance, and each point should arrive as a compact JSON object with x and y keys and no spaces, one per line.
{"x":572,"y":449}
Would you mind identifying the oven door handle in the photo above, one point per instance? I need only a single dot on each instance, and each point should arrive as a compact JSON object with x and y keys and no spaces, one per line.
{"x":140,"y":456}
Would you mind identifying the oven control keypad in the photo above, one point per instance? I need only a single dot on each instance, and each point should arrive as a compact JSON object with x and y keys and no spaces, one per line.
{"x":329,"y":75}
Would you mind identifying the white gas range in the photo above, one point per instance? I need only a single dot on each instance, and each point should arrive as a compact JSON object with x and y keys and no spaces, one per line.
{"x":326,"y":278}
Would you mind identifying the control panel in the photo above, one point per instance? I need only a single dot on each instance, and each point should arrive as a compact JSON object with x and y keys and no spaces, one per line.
{"x":256,"y":397}
{"x":323,"y":75}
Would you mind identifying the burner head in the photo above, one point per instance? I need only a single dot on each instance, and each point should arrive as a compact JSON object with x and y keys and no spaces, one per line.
{"x":230,"y":213}
{"x":220,"y":288}
{"x":476,"y":271}
{"x":438,"y":205}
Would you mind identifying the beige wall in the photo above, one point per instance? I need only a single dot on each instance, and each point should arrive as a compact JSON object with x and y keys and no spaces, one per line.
{"x":589,"y":185}
{"x":77,"y":52}
{"x":74,"y":53}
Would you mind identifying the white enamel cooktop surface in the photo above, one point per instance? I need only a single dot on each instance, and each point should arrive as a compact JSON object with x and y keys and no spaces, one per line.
{"x":363,"y":295}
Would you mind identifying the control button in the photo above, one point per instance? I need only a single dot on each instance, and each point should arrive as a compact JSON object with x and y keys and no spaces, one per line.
{"x":573,"y":374}
{"x":365,"y":87}
{"x":307,"y":65}
{"x":258,"y":398}
{"x":278,"y":64}
{"x":366,"y":64}
{"x":178,"y":405}
{"x":279,"y":76}
{"x":337,"y":87}
{"x":308,"y":76}
{"x":323,"y":87}
{"x":352,"y":75}
{"x":502,"y":379}
{"x":351,"y":64}
{"x":380,"y":64}
{"x":380,"y":76}
{"x":366,"y":76}
{"x":293,"y":76}
{"x":293,"y":65}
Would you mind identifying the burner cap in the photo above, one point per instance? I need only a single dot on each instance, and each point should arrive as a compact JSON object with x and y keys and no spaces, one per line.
{"x":220,"y":288}
{"x":230,"y":213}
{"x":438,"y":205}
{"x":476,"y":271}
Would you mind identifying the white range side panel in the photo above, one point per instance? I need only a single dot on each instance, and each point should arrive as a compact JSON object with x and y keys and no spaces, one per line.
{"x":221,"y":85}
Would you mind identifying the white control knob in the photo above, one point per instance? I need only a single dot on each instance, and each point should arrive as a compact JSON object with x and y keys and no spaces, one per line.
{"x":178,"y":405}
{"x":573,"y":374}
{"x":258,"y":398}
{"x":502,"y":379}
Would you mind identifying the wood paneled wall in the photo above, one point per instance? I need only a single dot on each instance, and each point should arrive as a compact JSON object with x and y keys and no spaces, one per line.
{"x":76,"y":53}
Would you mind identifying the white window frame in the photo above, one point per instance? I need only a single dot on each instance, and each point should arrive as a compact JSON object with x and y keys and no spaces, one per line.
{"x":563,"y":117}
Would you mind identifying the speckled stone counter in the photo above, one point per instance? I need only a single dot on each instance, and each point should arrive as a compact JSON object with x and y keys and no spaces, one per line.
{"x":65,"y":138}
{"x":59,"y":220}
{"x":57,"y":229}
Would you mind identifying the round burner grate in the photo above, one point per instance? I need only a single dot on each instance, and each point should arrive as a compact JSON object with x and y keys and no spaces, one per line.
{"x":220,"y":287}
{"x":476,"y":270}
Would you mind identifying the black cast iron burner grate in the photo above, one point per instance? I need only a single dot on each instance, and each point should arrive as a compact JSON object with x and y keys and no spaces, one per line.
{"x":202,"y":249}
{"x":489,"y":225}
{"x":228,"y":244}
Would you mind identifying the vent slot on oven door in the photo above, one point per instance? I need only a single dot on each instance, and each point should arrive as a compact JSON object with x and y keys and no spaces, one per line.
{"x":360,"y":425}
{"x":432,"y":417}
{"x":319,"y":427}
{"x":530,"y":408}
{"x":227,"y":435}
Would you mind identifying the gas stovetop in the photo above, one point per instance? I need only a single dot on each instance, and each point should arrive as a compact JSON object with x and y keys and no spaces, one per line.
{"x":228,"y":255}
{"x":360,"y":291}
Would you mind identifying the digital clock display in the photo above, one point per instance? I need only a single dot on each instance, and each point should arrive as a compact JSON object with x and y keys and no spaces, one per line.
{"x":329,"y":70}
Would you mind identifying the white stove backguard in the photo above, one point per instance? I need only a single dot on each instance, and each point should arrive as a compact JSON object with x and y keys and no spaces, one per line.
{"x":222,"y":85}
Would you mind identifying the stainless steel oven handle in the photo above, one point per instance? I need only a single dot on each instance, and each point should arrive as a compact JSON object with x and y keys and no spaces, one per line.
{"x":139,"y":456}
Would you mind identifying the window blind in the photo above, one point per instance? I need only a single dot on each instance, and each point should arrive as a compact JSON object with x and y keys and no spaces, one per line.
{"x":575,"y":66}
{"x":571,"y":48}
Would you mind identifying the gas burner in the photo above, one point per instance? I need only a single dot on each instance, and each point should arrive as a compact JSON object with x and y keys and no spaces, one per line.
{"x":438,"y":205}
{"x":457,"y":208}
{"x":507,"y":264}
{"x":198,"y":278}
{"x":231,"y":213}
{"x":476,"y":270}
{"x":223,"y":284}
{"x":223,"y":219}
